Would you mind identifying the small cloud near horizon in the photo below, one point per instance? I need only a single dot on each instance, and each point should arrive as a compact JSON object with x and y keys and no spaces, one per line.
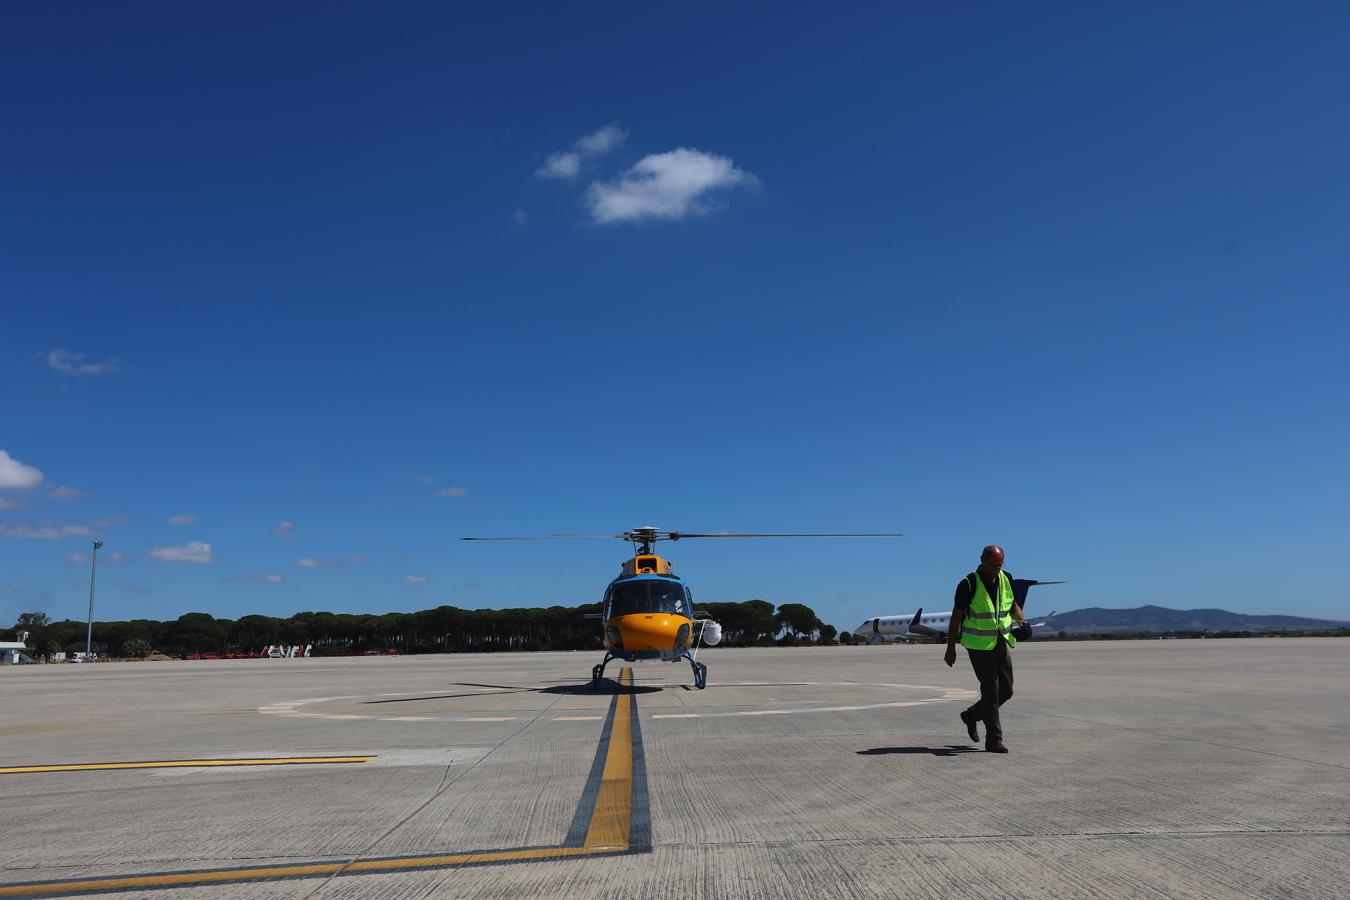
{"x":310,"y":562}
{"x":191,"y":552}
{"x":74,"y":364}
{"x":285,"y":529}
{"x":416,"y":579}
{"x":46,"y":533}
{"x":260,"y":577}
{"x":66,"y":492}
{"x":452,"y":492}
{"x":182,"y":519}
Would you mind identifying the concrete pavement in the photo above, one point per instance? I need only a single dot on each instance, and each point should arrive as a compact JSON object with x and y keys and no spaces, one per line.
{"x":1141,"y":769}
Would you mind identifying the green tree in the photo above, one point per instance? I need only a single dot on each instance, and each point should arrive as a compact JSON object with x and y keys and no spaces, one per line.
{"x":800,"y":620}
{"x":30,"y":621}
{"x":136,"y":648}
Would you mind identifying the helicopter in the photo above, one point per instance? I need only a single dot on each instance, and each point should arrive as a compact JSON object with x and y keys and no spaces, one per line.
{"x":648,"y":611}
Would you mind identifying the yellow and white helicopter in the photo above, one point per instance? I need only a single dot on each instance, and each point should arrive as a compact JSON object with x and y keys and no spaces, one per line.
{"x":648,"y":611}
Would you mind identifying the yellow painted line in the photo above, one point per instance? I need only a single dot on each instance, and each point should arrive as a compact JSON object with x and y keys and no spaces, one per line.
{"x":186,"y":763}
{"x":184,"y":879}
{"x":614,"y":804}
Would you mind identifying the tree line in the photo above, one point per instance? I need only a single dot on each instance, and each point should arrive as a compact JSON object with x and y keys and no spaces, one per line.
{"x":445,"y":629}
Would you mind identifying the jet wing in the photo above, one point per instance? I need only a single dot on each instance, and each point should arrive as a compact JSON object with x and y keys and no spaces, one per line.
{"x":917,"y":627}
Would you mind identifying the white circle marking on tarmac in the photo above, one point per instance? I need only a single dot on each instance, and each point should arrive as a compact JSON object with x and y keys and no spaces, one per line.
{"x":291,"y":707}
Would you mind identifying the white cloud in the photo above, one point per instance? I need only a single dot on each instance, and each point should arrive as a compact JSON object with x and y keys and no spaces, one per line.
{"x":567,"y":164}
{"x":285,"y":529}
{"x":109,"y":522}
{"x":130,"y":588}
{"x":427,"y":479}
{"x":313,"y":563}
{"x":452,"y":492}
{"x":521,"y":217}
{"x":191,"y":552}
{"x":6,"y":503}
{"x":416,"y":579}
{"x":74,"y":364}
{"x":115,"y":556}
{"x":181,"y":519}
{"x":600,"y":142}
{"x":75,"y":557}
{"x":46,"y":533}
{"x":665,"y":186}
{"x":14,"y":474}
{"x":562,"y":166}
{"x":65,"y":492}
{"x":261,"y":577}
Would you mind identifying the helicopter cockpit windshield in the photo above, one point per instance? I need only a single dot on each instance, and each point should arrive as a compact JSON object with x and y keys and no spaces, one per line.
{"x":648,"y":595}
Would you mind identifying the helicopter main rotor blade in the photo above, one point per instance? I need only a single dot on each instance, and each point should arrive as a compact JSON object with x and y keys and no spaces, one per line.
{"x":681,"y":535}
{"x":546,"y":537}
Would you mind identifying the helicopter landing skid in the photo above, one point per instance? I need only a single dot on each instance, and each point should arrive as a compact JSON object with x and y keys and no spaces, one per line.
{"x":700,"y":671}
{"x":598,"y":672}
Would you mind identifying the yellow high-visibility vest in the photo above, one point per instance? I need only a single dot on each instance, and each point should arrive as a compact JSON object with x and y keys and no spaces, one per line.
{"x":988,"y":618}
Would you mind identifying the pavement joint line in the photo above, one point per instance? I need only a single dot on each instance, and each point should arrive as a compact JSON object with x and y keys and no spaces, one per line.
{"x":619,"y":823}
{"x":1183,"y":737}
{"x":1198,"y":834}
{"x":185,"y":764}
{"x":947,"y":694}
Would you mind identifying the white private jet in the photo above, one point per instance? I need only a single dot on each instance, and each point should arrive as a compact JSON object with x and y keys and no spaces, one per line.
{"x":932,"y":628}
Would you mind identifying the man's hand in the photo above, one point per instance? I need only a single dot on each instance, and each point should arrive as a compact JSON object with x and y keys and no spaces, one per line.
{"x":950,"y":656}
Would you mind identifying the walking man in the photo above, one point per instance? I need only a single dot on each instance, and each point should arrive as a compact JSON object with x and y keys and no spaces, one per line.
{"x":982,"y":618}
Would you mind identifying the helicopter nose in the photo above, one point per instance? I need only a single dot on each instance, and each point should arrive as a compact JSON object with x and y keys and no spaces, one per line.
{"x":648,"y":632}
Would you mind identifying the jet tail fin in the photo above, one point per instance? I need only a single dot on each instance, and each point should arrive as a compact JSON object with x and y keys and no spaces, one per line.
{"x":1022,"y":586}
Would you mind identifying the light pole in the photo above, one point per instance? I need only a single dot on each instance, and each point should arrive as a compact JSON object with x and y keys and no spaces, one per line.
{"x":89,"y":635}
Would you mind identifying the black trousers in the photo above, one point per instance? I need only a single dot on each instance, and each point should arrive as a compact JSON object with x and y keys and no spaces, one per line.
{"x":994,"y":669}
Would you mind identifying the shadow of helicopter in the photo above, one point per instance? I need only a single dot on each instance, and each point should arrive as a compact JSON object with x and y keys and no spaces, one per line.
{"x":949,"y":750}
{"x":607,"y":686}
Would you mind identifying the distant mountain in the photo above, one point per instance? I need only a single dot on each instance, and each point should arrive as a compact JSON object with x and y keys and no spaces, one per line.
{"x":1160,"y":619}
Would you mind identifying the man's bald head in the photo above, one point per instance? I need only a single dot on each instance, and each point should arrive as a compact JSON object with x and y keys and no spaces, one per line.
{"x":991,"y":560}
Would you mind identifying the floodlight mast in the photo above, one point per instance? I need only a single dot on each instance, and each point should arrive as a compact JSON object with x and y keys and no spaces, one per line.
{"x":89,"y":633}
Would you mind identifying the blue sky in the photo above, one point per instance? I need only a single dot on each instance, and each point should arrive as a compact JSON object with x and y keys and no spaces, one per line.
{"x":341,"y":283}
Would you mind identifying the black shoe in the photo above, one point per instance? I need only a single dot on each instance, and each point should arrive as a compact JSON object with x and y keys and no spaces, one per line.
{"x":996,"y":747}
{"x":970,"y":726}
